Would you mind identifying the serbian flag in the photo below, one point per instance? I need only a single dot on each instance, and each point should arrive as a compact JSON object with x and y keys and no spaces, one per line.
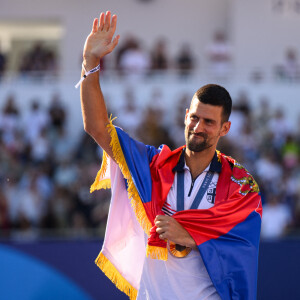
{"x":227,"y":235}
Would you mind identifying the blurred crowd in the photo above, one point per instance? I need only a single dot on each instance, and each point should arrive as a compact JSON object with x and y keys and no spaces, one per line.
{"x":45,"y":176}
{"x":132,"y":60}
{"x":39,"y":61}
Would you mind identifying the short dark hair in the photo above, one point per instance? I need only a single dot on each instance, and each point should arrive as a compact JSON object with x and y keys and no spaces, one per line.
{"x":216,"y":95}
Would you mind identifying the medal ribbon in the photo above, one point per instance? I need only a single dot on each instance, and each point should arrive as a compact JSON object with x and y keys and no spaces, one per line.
{"x":180,"y":190}
{"x":178,"y":250}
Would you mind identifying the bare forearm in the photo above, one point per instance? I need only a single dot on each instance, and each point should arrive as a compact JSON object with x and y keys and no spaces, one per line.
{"x":93,"y":106}
{"x":99,"y":43}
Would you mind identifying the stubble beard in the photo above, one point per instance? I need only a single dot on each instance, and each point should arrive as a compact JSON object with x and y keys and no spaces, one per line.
{"x":194,"y":145}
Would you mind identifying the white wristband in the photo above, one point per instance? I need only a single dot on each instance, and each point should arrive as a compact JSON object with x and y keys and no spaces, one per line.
{"x":94,"y":70}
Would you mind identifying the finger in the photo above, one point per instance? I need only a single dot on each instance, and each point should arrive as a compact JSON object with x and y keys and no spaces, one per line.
{"x":160,"y":224}
{"x":113,"y":25}
{"x":164,"y":219}
{"x":95,"y":25}
{"x":101,"y":21}
{"x":159,"y":218}
{"x":160,"y":230}
{"x":107,"y":21}
{"x":115,"y":41}
{"x":113,"y":44}
{"x":162,"y":237}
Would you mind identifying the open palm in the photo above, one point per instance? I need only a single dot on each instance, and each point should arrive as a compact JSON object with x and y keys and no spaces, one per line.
{"x":100,"y":41}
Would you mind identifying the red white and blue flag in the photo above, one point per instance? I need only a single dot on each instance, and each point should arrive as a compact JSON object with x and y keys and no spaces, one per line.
{"x":227,"y":235}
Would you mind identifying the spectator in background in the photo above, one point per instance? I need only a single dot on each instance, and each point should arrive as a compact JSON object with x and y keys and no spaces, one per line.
{"x":157,"y":134}
{"x":156,"y":103}
{"x":178,"y":125}
{"x":242,"y":104}
{"x":41,"y":147}
{"x":4,"y":216}
{"x":159,"y":57}
{"x":57,"y":113}
{"x":130,"y":118}
{"x":35,"y":122}
{"x":290,"y":153}
{"x":62,"y":146}
{"x":220,"y":56}
{"x":33,"y":202}
{"x":290,"y":69}
{"x":297,"y":130}
{"x":135,"y":62}
{"x":280,"y":127}
{"x":128,"y":42}
{"x":86,"y":150}
{"x":40,"y":177}
{"x":185,"y":61}
{"x":9,"y":121}
{"x":10,"y":108}
{"x":50,"y":63}
{"x":66,"y":173}
{"x":12,"y":195}
{"x":60,"y":208}
{"x":2,"y":64}
{"x":269,"y":170}
{"x":249,"y":146}
{"x":240,"y":115}
{"x":277,"y":218}
{"x":262,"y":117}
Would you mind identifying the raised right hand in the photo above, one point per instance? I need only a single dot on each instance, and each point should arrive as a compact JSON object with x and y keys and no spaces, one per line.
{"x":100,"y":41}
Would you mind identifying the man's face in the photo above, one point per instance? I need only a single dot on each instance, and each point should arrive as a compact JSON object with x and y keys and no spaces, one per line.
{"x":203,"y":126}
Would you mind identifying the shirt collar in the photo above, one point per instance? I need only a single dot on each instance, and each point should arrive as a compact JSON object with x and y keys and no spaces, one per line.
{"x":215,"y":164}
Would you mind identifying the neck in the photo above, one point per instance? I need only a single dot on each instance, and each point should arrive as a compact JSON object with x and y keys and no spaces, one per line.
{"x":198,"y":161}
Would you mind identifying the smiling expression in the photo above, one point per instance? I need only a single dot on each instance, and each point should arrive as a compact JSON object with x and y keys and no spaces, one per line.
{"x":204,"y":126}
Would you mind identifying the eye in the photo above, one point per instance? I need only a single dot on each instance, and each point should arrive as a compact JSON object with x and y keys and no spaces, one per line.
{"x":193,"y":117}
{"x":209,"y":121}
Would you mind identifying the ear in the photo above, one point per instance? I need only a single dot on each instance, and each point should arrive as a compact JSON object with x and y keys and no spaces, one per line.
{"x":186,"y":115}
{"x":225,"y":128}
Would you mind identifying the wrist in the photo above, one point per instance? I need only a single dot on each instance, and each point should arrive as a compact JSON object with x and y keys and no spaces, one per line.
{"x":90,"y":62}
{"x":189,"y":242}
{"x":85,"y":73}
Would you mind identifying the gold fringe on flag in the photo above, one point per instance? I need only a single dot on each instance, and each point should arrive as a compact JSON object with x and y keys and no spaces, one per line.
{"x":114,"y":275}
{"x":133,"y":194}
{"x":154,"y":252}
{"x":157,"y":252}
{"x":100,"y":183}
{"x":136,"y":202}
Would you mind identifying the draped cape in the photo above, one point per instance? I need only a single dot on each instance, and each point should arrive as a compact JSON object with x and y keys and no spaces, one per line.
{"x":227,"y":235}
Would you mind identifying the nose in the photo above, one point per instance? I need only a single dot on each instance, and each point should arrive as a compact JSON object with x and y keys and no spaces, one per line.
{"x":199,"y":127}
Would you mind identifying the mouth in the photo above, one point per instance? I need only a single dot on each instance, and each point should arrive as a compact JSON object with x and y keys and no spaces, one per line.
{"x":198,"y":135}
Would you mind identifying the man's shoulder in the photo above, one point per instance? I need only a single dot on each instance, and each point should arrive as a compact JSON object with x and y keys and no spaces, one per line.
{"x":233,"y":163}
{"x":223,"y":157}
{"x":240,"y":175}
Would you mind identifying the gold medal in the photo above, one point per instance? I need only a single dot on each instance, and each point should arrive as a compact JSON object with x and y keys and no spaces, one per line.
{"x":178,"y":250}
